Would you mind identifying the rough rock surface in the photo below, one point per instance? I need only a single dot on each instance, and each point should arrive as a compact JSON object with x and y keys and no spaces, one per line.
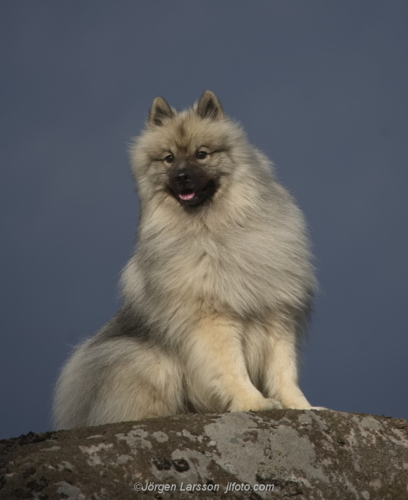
{"x":272,"y":454}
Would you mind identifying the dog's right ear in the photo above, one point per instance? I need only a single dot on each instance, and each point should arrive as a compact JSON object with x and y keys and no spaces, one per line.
{"x":159,"y":111}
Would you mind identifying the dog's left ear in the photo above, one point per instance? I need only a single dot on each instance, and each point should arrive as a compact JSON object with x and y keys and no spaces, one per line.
{"x":209,"y":106}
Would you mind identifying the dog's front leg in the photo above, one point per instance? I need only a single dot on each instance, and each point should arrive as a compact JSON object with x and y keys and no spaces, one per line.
{"x":281,"y":369}
{"x":216,"y":374}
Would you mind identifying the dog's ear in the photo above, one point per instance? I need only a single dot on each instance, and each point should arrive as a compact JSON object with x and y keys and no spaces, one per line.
{"x":209,"y":106}
{"x":159,"y":111}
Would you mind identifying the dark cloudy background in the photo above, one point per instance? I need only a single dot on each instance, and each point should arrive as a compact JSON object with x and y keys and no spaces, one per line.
{"x":320,"y":86}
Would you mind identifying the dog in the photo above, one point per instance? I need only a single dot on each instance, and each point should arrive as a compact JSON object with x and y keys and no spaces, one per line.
{"x":218,"y":292}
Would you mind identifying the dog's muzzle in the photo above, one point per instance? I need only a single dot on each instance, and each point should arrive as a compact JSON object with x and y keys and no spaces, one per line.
{"x":191,"y":185}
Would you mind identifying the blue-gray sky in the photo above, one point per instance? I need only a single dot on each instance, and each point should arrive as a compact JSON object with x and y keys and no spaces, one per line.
{"x":320,"y":86}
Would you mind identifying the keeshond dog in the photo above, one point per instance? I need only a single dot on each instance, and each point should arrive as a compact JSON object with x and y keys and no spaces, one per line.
{"x":215,"y":298}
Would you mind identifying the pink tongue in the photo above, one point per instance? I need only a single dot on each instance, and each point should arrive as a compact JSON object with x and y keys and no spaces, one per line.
{"x":188,"y":196}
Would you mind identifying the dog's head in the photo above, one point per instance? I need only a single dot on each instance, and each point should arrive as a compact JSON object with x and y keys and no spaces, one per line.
{"x":188,"y":155}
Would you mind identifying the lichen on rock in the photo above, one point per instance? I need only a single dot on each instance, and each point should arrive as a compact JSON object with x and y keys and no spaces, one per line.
{"x":271,"y":454}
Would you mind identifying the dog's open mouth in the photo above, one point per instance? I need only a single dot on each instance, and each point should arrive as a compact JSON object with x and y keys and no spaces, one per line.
{"x":187,"y":194}
{"x":191,"y":196}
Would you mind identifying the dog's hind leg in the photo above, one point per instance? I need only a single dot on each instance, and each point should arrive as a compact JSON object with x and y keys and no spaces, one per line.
{"x":118,"y":380}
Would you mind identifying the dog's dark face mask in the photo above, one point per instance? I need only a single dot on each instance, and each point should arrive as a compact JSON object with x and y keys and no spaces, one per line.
{"x":190,"y":184}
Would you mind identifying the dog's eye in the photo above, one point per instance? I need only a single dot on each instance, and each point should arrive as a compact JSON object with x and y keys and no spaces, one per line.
{"x":201,"y":155}
{"x":169,"y":159}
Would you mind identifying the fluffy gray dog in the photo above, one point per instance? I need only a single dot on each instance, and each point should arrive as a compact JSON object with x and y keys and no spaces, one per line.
{"x":217,"y":294}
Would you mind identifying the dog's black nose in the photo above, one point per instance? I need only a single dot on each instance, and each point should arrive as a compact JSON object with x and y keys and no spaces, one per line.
{"x":182,"y":177}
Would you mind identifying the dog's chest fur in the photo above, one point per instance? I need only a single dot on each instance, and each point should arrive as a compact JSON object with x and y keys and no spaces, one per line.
{"x":220,"y":268}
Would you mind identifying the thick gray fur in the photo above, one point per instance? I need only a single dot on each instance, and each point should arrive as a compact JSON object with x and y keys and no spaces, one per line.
{"x":215,"y":297}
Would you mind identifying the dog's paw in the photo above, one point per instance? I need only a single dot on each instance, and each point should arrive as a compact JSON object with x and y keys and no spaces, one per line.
{"x":257,"y":405}
{"x":272,"y":404}
{"x":307,"y":407}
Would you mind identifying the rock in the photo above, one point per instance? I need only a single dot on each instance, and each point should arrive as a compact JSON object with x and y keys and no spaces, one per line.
{"x":272,"y":454}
